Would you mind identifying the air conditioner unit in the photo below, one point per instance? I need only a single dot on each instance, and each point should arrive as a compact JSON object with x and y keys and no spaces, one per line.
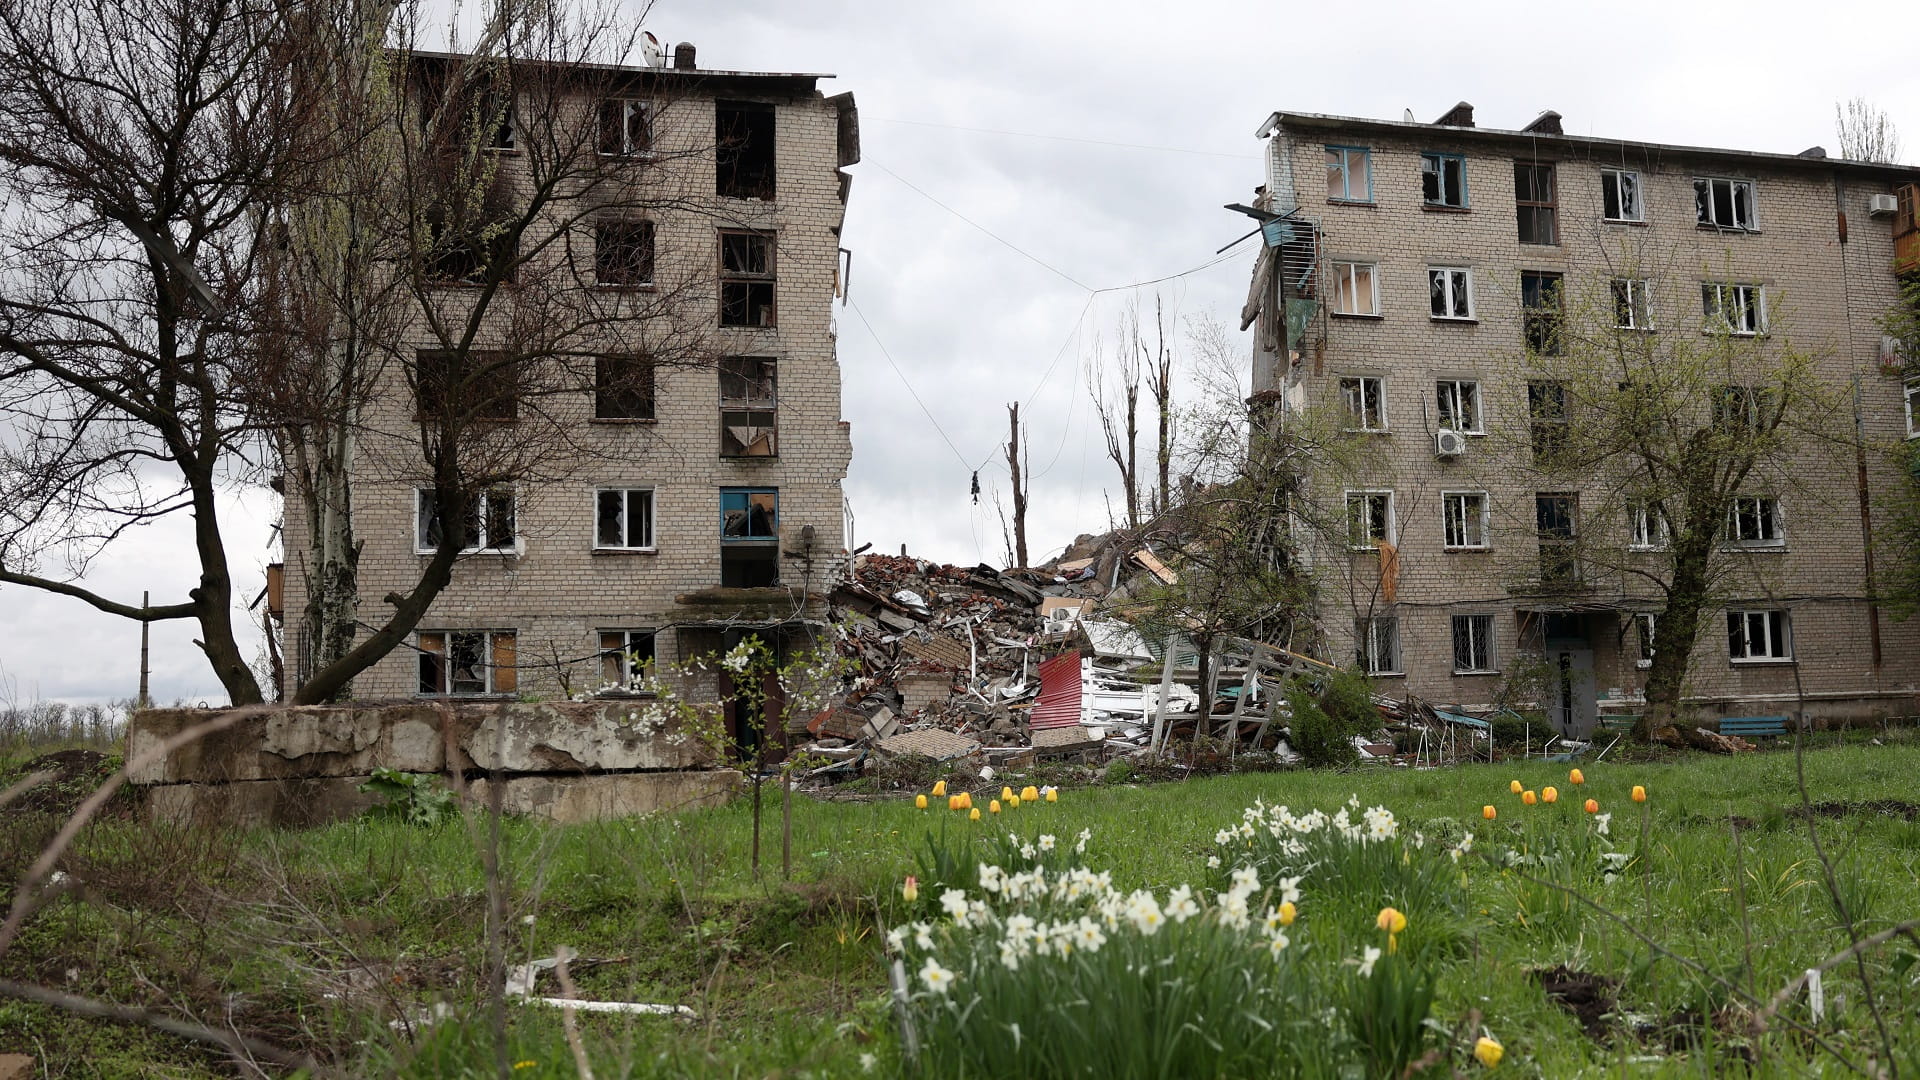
{"x":1883,"y":205}
{"x":1449,"y":443}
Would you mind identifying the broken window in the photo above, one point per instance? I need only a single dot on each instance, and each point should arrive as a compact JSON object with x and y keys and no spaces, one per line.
{"x":1379,"y":641}
{"x":623,"y":254}
{"x":626,"y":659}
{"x":623,"y":519}
{"x":1754,"y":521}
{"x":1540,"y":311}
{"x":1349,"y":174}
{"x":1547,"y":415}
{"x":475,"y":111}
{"x":1556,"y":521}
{"x":743,"y":158}
{"x":1759,"y":635}
{"x":1369,"y":519}
{"x":1620,"y":195}
{"x":1632,"y":304}
{"x":1443,"y":179}
{"x":623,"y":387}
{"x":466,"y":385}
{"x":749,"y":537}
{"x":1644,"y":624}
{"x":748,"y":407}
{"x":1356,"y":289}
{"x":1473,"y":644}
{"x":746,"y":279}
{"x":468,"y":252}
{"x":1364,"y":397}
{"x":1734,"y":309}
{"x":460,"y":663}
{"x":488,"y":524}
{"x":1647,"y":526}
{"x":1466,"y":517}
{"x":1535,"y":199}
{"x":1913,"y":408}
{"x":1450,"y":290}
{"x":1459,"y":405}
{"x":1723,"y":204}
{"x":1743,"y":408}
{"x":626,"y":127}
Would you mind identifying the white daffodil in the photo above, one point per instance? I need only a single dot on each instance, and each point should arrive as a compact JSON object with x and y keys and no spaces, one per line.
{"x":1277,"y":944}
{"x":1213,"y":862}
{"x":937,"y":978}
{"x":954,"y":903}
{"x":897,"y":939}
{"x":1180,"y":905}
{"x":992,"y":878}
{"x":1046,"y":841}
{"x":922,"y":936}
{"x":1371,"y":957}
{"x":1601,"y":822}
{"x":1289,"y":890}
{"x":1246,"y":878}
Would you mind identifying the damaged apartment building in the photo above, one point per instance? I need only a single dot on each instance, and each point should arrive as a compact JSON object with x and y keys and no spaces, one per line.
{"x":685,"y":500}
{"x":1413,"y":279}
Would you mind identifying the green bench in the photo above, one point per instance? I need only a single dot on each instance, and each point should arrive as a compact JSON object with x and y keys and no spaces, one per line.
{"x":1621,"y":724}
{"x":1753,"y":727}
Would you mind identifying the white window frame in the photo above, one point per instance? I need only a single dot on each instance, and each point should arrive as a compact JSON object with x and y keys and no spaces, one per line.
{"x":1371,"y":641}
{"x":1340,"y":159}
{"x":1763,"y":513}
{"x":1448,"y":314}
{"x":1775,"y":639}
{"x":1357,"y":418}
{"x":1439,"y":158}
{"x":1647,"y":527}
{"x":1449,"y":399}
{"x":1749,"y":301}
{"x":1348,"y":271}
{"x":628,"y":106}
{"x":1639,"y":303}
{"x":632,"y":675}
{"x":626,"y":526}
{"x":1912,"y":398}
{"x":1612,"y":177}
{"x":1480,"y":638}
{"x":1644,"y":623}
{"x":444,"y":655}
{"x":1366,"y":495}
{"x":422,"y":547}
{"x":1456,"y":508}
{"x":1708,"y":216}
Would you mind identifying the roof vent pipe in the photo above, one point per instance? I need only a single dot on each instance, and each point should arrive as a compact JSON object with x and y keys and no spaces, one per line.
{"x":683,"y":56}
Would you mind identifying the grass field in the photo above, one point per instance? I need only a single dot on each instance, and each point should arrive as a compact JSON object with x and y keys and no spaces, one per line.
{"x":323,"y":939}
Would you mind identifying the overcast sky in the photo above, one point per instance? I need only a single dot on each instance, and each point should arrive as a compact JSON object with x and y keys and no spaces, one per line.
{"x":1100,"y":141}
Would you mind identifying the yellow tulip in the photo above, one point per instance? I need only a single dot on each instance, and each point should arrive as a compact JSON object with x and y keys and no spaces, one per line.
{"x":1529,"y":797}
{"x":953,"y":802}
{"x":1287,"y":913}
{"x":910,"y":891}
{"x":1489,"y":812}
{"x":1006,"y":793}
{"x":973,"y":814}
{"x":1029,"y":794}
{"x":966,"y":800}
{"x":1487,"y":1052}
{"x":939,"y":788}
{"x":1391,"y":920}
{"x":1576,"y":777}
{"x":1593,"y":806}
{"x":993,"y":806}
{"x":1053,"y":795}
{"x":1013,"y":802}
{"x":919,"y":802}
{"x":1639,"y":793}
{"x":1550,"y":795}
{"x":1514,"y":786}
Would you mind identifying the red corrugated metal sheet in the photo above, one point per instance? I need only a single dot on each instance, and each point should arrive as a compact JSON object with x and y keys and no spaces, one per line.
{"x":1059,"y":703}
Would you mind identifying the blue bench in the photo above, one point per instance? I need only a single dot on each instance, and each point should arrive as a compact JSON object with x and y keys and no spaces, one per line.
{"x":1749,"y":727}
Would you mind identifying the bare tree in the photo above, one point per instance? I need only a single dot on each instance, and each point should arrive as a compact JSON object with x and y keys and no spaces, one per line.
{"x":1021,"y":478}
{"x":1865,"y":131}
{"x":1119,"y":411}
{"x":1159,"y":366}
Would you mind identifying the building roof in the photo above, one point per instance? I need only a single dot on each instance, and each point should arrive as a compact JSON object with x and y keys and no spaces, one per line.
{"x":800,"y":79}
{"x":1535,"y":140}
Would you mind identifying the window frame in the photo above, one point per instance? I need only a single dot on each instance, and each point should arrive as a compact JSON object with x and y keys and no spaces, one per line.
{"x":1389,"y":527}
{"x":1443,"y":389}
{"x":1619,"y":196}
{"x":1559,"y":546}
{"x":1553,"y":317}
{"x":1910,"y":395}
{"x":1645,"y":624}
{"x":1540,"y":422}
{"x":1447,"y":295}
{"x":1636,"y":302}
{"x":751,"y":405}
{"x":755,"y":543}
{"x":1713,"y":307}
{"x":1439,"y":160}
{"x":748,"y":279}
{"x":651,"y":525}
{"x":649,"y":260}
{"x":622,"y":654}
{"x":1706,"y":212}
{"x":1777,"y":633}
{"x":1346,"y":270}
{"x":605,"y":387}
{"x":1345,"y":170}
{"x":1368,"y":646}
{"x":1380,"y":403}
{"x":484,"y":527}
{"x":1647,"y":526}
{"x":1767,"y":518}
{"x":1480,"y":633}
{"x":501,"y":679}
{"x":1484,"y":520}
{"x":490,"y":378}
{"x":628,"y":106}
{"x":1550,"y":205}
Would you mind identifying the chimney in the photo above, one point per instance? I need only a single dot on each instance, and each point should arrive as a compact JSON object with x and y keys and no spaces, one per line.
{"x":683,"y":56}
{"x":1460,"y":115}
{"x":1547,"y":123}
{"x":1813,"y":152}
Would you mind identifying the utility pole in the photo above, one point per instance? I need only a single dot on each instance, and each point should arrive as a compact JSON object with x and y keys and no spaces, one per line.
{"x":145,"y":626}
{"x":1019,"y":487}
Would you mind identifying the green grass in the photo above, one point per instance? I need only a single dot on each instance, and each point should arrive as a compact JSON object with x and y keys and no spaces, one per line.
{"x":320,"y":938}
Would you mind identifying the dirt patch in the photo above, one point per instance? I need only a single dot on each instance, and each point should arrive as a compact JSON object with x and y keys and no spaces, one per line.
{"x":1588,"y":997}
{"x":76,"y":773}
{"x":1894,"y":808}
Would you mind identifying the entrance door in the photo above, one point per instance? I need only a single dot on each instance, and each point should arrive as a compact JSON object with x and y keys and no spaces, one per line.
{"x":1571,"y":704}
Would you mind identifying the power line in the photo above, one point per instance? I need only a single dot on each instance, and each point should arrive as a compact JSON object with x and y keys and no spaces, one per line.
{"x":1017,"y":249}
{"x":909,"y":385}
{"x":1073,"y":139}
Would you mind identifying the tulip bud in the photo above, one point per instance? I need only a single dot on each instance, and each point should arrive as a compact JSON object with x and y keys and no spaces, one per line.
{"x":1487,"y":1052}
{"x":1006,"y":793}
{"x":1639,"y":793}
{"x":1529,"y":797}
{"x":1013,"y":802}
{"x":1029,"y":794}
{"x":1593,"y":806}
{"x":1489,"y":812}
{"x":1576,"y":777}
{"x":919,"y":802}
{"x":939,"y":788}
{"x":993,"y":806}
{"x":910,"y":891}
{"x":1287,"y":913}
{"x":1514,"y":786}
{"x":1391,"y":920}
{"x":1053,"y":794}
{"x":973,"y":814}
{"x":1550,"y":795}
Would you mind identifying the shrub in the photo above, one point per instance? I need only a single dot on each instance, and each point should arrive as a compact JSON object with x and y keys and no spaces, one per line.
{"x":1324,"y":725}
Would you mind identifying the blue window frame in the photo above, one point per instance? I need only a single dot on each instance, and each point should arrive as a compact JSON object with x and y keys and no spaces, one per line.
{"x":1349,"y":174}
{"x":1443,"y":179}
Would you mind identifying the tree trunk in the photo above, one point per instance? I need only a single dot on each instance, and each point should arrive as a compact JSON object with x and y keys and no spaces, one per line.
{"x":1019,"y":487}
{"x":1676,"y":629}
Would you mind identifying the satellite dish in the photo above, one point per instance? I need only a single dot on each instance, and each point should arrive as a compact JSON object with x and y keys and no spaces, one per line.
{"x":1407,"y":117}
{"x":650,"y":50}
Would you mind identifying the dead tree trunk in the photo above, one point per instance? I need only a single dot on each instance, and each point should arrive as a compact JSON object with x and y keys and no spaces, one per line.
{"x":1019,"y":486}
{"x":1160,"y":383}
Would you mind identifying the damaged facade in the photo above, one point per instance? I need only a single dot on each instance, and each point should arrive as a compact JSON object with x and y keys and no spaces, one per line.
{"x":1406,"y":272}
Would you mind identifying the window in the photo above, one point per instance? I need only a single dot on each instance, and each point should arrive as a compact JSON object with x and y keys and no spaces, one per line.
{"x":1647,"y":526}
{"x":746,"y":279}
{"x":1743,"y":408}
{"x":468,"y":248}
{"x":1356,"y":289}
{"x":1540,"y":312}
{"x":1369,"y":519}
{"x":1443,"y":180}
{"x":749,"y":537}
{"x":1632,"y":304}
{"x":1466,"y":517}
{"x":1472,"y":644}
{"x":626,"y":127}
{"x":1734,"y":309}
{"x":623,"y":388}
{"x":1349,"y":174}
{"x":1451,"y":292}
{"x":489,"y":524}
{"x":1754,"y":521}
{"x":1459,"y":401}
{"x":1759,"y":635}
{"x":1547,"y":413}
{"x":1723,"y":204}
{"x":1643,"y":625}
{"x":486,"y":383}
{"x":623,"y":519}
{"x":626,"y":658}
{"x":1556,"y":520}
{"x":1379,"y":641}
{"x":1364,"y":397}
{"x":1534,"y":198}
{"x":748,"y":400}
{"x":1620,"y":195}
{"x":463,"y":663}
{"x":1913,"y":408}
{"x":623,"y":254}
{"x":743,"y":167}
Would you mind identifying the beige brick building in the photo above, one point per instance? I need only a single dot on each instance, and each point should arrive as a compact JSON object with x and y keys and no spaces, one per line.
{"x":691,"y":502}
{"x":1408,"y":265}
